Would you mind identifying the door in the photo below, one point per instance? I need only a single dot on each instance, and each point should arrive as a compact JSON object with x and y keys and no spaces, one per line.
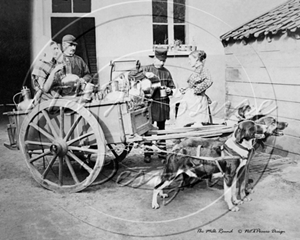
{"x":84,"y":30}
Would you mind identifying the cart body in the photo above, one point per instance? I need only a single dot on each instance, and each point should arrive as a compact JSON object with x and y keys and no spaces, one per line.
{"x":116,"y":120}
{"x":64,"y":140}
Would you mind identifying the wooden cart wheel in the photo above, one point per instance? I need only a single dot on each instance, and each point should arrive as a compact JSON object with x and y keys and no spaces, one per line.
{"x":120,"y":150}
{"x":55,"y":137}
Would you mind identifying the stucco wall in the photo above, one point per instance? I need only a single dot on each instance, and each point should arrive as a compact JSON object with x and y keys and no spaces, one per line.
{"x":124,"y":30}
{"x":268,"y":71}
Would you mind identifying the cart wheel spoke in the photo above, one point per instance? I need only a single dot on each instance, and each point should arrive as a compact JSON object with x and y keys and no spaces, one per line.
{"x":60,"y":170}
{"x":71,"y":130}
{"x":83,"y":149}
{"x":47,"y":144}
{"x":42,"y":131}
{"x":71,"y":169}
{"x":45,"y":173}
{"x":61,"y":122}
{"x":83,"y":164}
{"x":31,"y":160}
{"x":50,"y":124}
{"x":79,"y":138}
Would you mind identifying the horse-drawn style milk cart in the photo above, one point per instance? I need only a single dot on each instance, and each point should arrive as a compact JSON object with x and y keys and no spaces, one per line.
{"x":64,"y":140}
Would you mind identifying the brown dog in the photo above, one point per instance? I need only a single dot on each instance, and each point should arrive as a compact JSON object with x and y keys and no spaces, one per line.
{"x":238,"y":146}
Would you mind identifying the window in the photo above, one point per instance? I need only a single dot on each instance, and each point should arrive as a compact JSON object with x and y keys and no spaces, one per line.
{"x":71,"y":6}
{"x":168,"y":21}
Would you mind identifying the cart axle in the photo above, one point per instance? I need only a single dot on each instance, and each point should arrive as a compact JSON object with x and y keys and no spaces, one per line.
{"x":59,"y":147}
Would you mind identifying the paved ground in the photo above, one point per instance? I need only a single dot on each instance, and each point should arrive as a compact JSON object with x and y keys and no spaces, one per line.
{"x":109,"y":211}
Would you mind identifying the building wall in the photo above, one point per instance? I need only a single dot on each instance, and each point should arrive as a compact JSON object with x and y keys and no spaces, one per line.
{"x":268,"y":71}
{"x":124,"y":31}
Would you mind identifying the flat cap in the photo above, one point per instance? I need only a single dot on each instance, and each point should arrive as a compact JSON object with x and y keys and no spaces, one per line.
{"x":69,"y":39}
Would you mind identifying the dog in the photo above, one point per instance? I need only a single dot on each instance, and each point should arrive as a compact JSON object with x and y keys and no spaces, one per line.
{"x":238,"y":146}
{"x":272,"y":127}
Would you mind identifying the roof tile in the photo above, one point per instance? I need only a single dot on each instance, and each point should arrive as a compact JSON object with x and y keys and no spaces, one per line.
{"x":286,"y":16}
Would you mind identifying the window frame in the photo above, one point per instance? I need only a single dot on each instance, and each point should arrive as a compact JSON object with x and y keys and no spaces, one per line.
{"x":171,"y":24}
{"x":72,"y":10}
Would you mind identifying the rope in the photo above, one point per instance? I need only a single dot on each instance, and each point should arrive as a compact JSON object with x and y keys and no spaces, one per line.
{"x":141,"y":172}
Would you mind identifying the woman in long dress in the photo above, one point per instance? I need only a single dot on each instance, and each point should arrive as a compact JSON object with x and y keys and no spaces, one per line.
{"x":193,"y":108}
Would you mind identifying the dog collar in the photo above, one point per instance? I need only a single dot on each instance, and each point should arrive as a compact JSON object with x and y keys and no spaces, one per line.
{"x":232,"y":146}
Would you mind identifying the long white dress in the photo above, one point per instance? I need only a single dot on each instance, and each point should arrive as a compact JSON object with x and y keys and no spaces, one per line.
{"x":193,"y":108}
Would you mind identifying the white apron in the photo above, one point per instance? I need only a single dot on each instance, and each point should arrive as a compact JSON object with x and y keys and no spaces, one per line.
{"x":193,"y":109}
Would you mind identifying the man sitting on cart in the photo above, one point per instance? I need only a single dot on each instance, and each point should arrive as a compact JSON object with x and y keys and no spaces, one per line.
{"x":61,"y":72}
{"x":73,"y":63}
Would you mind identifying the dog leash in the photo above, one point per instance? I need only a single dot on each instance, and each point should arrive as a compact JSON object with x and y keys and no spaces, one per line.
{"x":118,"y":181}
{"x":200,"y":158}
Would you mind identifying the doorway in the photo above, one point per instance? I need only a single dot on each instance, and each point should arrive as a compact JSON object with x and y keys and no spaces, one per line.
{"x":84,"y":31}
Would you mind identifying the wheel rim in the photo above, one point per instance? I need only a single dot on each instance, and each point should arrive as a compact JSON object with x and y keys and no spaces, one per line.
{"x":55,"y":139}
{"x":110,"y":168}
{"x":115,"y":154}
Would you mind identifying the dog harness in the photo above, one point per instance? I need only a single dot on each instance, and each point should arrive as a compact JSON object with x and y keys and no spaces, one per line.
{"x":238,"y":149}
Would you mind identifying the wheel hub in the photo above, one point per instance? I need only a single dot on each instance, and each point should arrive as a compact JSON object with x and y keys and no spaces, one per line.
{"x":59,"y":147}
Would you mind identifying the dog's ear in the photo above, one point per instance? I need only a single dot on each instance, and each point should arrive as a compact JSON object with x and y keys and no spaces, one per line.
{"x":242,"y":110}
{"x":183,"y":151}
{"x":245,"y":130}
{"x":239,"y":134}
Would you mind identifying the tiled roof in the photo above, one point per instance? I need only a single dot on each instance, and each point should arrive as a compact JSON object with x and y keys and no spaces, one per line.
{"x":282,"y":18}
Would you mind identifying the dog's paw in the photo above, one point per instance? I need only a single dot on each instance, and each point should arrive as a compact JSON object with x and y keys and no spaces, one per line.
{"x":250,"y":191}
{"x":237,"y":202}
{"x":234,"y":209}
{"x":247,"y":199}
{"x":164,"y":195}
{"x":155,"y":205}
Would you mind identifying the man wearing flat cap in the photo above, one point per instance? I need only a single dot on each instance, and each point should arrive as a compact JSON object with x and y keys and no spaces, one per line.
{"x":74,"y":64}
{"x":160,"y":107}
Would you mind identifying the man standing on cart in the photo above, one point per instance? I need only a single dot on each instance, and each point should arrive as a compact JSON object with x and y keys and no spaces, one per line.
{"x":160,"y":108}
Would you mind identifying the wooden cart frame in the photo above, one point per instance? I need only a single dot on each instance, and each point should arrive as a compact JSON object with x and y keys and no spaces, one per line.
{"x":64,"y":141}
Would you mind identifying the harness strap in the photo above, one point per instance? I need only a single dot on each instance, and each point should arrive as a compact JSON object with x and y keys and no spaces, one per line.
{"x":218,"y":165}
{"x":230,"y":150}
{"x":241,"y":146}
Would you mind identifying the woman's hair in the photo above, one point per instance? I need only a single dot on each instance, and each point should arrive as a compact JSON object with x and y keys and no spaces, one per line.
{"x":52,"y":43}
{"x":47,"y":54}
{"x":199,"y":54}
